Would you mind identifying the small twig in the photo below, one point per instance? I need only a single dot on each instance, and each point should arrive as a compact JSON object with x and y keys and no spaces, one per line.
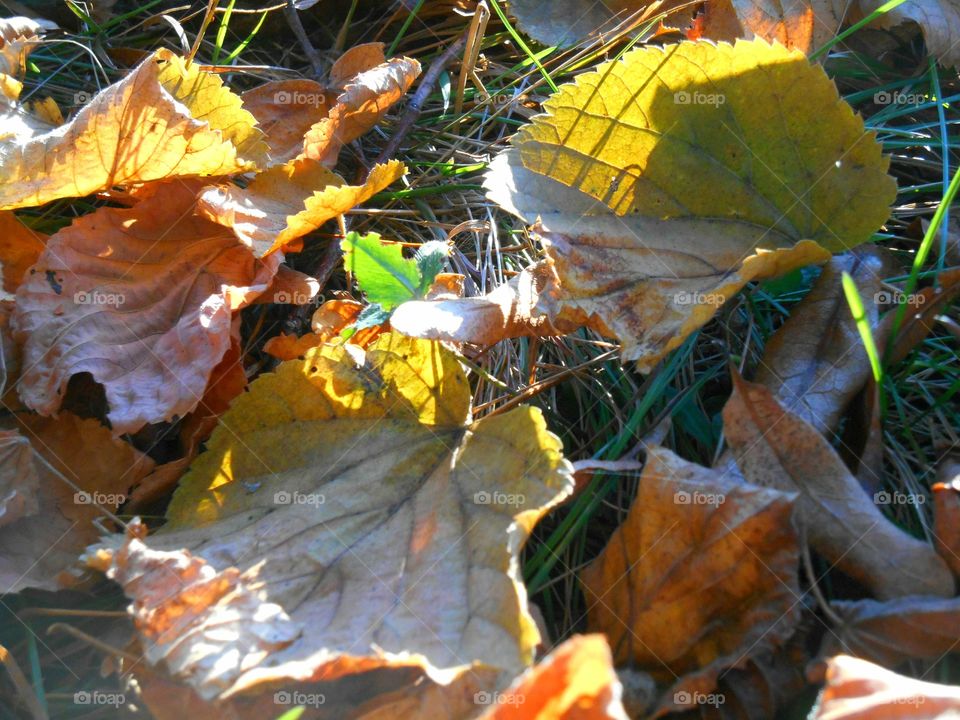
{"x":293,"y":20}
{"x":415,"y":106}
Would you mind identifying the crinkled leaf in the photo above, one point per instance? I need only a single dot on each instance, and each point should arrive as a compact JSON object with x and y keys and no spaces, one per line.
{"x":666,"y":180}
{"x":288,"y":201}
{"x":361,"y":105}
{"x":80,"y":469}
{"x":777,"y":449}
{"x":142,"y":299}
{"x":162,"y":120}
{"x":353,"y":492}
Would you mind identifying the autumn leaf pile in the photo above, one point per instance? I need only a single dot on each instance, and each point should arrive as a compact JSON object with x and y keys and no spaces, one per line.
{"x":344,"y":532}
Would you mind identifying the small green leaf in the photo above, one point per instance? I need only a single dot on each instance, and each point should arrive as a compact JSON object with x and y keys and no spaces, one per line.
{"x":293,"y":713}
{"x":371,"y":316}
{"x":383,"y":274}
{"x":430,"y":259}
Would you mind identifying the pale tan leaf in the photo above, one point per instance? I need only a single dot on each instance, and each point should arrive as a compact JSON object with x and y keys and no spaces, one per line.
{"x":701,"y":574}
{"x":859,"y":690}
{"x":401,"y":550}
{"x":354,"y":61}
{"x":815,"y":363}
{"x":18,"y":36}
{"x":777,"y":449}
{"x":514,"y":309}
{"x":288,"y":201}
{"x":569,"y":22}
{"x":19,"y":482}
{"x":163,"y":120}
{"x":142,"y":299}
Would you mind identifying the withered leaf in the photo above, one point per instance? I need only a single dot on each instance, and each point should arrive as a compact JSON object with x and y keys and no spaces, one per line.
{"x":701,"y":574}
{"x":777,"y":449}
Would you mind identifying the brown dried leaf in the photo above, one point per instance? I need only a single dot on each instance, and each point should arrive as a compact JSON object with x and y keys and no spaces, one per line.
{"x":776,"y":449}
{"x":358,"y":59}
{"x":20,"y":247}
{"x":815,"y":363}
{"x":19,"y":482}
{"x":569,"y":22}
{"x":361,"y":105}
{"x":285,"y":110}
{"x":328,"y":321}
{"x":700,"y":575}
{"x":288,"y":201}
{"x":946,"y":512}
{"x":142,"y":299}
{"x":859,"y":690}
{"x":893,"y":631}
{"x":39,"y":549}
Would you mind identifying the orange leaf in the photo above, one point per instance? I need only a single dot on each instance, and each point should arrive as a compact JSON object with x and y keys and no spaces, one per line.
{"x":19,"y":249}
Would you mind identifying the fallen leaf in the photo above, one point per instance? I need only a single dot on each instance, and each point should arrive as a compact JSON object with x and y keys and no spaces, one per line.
{"x":775,"y":448}
{"x":359,"y":58}
{"x":18,"y":36}
{"x":288,"y":201}
{"x":946,"y":512}
{"x":19,"y":482}
{"x":801,"y":24}
{"x":701,"y":574}
{"x":362,"y":104}
{"x":893,"y":631}
{"x":80,"y":469}
{"x":163,"y":120}
{"x":859,"y":690}
{"x":285,"y":110}
{"x":512,"y":310}
{"x":574,"y":682}
{"x":142,"y":299}
{"x":658,"y":200}
{"x":329,"y":320}
{"x":924,"y":307}
{"x":569,"y":22}
{"x":19,"y":249}
{"x":376,"y":523}
{"x":815,"y":363}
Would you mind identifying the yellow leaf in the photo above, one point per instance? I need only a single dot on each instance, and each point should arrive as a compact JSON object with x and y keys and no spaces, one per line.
{"x":668,"y":179}
{"x":352,"y":490}
{"x":288,"y":201}
{"x":163,"y":120}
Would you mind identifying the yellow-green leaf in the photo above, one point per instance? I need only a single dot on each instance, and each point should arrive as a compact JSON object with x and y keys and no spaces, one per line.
{"x":666,"y":180}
